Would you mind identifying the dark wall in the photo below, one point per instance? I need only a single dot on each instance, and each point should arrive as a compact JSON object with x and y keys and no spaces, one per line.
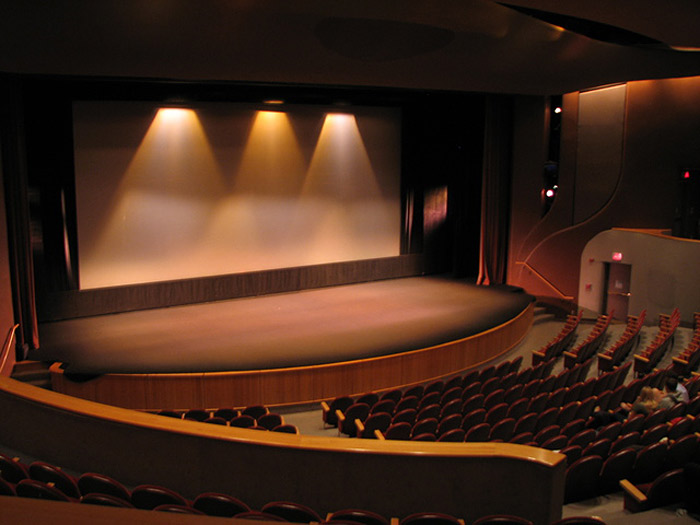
{"x":658,"y":139}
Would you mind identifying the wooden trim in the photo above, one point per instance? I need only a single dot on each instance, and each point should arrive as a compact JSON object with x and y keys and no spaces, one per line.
{"x":297,"y":385}
{"x":138,"y":447}
{"x":549,"y":284}
{"x":633,"y":491}
{"x":7,"y":350}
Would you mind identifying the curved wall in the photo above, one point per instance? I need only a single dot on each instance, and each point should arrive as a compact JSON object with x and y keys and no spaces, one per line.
{"x":664,"y":272}
{"x":655,"y":140}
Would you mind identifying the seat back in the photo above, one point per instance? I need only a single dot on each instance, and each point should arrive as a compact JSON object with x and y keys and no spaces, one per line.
{"x":364,"y":517}
{"x":92,"y":482}
{"x":291,"y":511}
{"x":616,"y":467}
{"x":582,"y":479}
{"x":217,"y":504}
{"x":32,"y":488}
{"x":429,"y":518}
{"x":48,"y":473}
{"x":148,"y":497}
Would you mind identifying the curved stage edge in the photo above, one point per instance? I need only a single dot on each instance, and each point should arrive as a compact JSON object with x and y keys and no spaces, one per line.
{"x":297,"y":385}
{"x":397,"y":478}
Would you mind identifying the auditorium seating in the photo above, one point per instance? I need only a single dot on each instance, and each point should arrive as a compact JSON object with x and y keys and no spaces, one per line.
{"x":647,"y":359}
{"x":587,"y":349}
{"x":613,"y":356}
{"x":561,"y":341}
{"x":665,"y":489}
{"x":99,"y":489}
{"x":687,"y":361}
{"x":554,"y":415}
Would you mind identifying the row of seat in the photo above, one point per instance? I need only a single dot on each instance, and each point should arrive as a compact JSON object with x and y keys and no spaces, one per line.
{"x":534,"y":398}
{"x":688,"y":360}
{"x":413,"y":396}
{"x":561,"y":342}
{"x":592,"y":475}
{"x":646,"y":360}
{"x":672,"y":487}
{"x":45,"y":481}
{"x":589,"y":346}
{"x":496,"y":390}
{"x":256,"y":417}
{"x":615,"y":354}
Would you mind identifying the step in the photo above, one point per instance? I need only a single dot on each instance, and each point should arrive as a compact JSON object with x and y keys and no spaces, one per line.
{"x":27,"y":365}
{"x":544,"y":317}
{"x":35,"y":373}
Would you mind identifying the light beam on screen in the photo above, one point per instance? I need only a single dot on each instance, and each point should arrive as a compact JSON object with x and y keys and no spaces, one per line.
{"x":154,"y":221}
{"x":272,"y":161}
{"x":348,"y":217}
{"x":254,"y":220}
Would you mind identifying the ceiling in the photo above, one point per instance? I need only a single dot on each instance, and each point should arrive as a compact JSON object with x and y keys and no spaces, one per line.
{"x":463,"y":45}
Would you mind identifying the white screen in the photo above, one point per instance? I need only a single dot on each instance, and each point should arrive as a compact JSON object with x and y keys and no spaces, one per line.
{"x":175,"y":193}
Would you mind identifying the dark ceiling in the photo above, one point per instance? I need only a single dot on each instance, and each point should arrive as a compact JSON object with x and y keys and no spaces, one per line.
{"x":464,"y":45}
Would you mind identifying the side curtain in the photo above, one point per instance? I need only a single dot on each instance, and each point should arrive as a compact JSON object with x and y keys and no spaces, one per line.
{"x":495,"y":196}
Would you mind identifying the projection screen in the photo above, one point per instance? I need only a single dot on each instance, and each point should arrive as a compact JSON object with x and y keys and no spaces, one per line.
{"x":165,"y":193}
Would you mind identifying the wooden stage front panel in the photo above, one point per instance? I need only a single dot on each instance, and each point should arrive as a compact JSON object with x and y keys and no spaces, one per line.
{"x":297,"y":385}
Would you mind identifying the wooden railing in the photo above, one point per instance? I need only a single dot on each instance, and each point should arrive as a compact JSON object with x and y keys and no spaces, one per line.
{"x":393,"y":478}
{"x":6,"y":364}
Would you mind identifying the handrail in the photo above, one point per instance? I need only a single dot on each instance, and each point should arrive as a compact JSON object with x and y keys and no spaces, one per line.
{"x":7,"y":346}
{"x":134,"y":446}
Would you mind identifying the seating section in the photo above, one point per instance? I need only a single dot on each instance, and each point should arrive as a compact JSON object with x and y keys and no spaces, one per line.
{"x":644,"y":455}
{"x":613,"y":356}
{"x":20,"y":479}
{"x":561,"y":342}
{"x":647,"y":359}
{"x":257,"y":417}
{"x":534,"y":407}
{"x":687,"y":361}
{"x":589,"y":346}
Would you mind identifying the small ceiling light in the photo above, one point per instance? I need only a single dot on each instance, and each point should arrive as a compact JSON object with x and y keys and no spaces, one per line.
{"x":549,"y":193}
{"x":557,"y":110}
{"x":274,"y":102}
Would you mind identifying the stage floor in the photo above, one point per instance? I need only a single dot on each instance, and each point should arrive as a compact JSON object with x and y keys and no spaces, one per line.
{"x":310,"y":327}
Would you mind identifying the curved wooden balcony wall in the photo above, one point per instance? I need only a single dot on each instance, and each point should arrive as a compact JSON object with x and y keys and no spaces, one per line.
{"x":394,"y":478}
{"x":296,"y":385}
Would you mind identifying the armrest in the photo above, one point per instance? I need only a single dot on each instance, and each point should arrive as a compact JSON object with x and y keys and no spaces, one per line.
{"x":680,"y":361}
{"x":538,"y":353}
{"x":340,"y":416}
{"x":633,"y":491}
{"x":604,"y":356}
{"x":641,"y":358}
{"x":325,"y":407}
{"x":378,"y":434}
{"x":360,"y":427}
{"x":570,"y":354}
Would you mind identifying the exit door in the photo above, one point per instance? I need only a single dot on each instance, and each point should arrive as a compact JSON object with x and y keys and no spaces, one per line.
{"x":617,"y":289}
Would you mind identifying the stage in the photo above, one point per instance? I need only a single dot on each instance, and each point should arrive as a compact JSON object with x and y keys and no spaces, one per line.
{"x":389,"y":332}
{"x":311,"y":327}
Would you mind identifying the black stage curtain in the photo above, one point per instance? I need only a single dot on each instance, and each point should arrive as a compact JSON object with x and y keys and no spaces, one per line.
{"x":495,"y":196}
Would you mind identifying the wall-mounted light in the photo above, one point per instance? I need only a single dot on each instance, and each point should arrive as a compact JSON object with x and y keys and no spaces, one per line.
{"x":617,"y":256}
